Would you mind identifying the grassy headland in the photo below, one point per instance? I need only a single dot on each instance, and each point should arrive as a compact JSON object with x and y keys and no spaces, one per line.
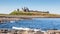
{"x":31,"y":13}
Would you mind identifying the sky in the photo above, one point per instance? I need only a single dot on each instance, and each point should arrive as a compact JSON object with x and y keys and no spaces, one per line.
{"x":53,"y":6}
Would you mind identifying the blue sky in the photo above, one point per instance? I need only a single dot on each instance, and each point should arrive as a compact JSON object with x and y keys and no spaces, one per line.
{"x":53,"y":6}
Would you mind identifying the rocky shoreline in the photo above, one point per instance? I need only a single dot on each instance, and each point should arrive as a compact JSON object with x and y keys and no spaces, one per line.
{"x":14,"y":31}
{"x":4,"y":18}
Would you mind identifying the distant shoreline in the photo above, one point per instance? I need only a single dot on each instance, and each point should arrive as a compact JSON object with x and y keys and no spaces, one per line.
{"x":27,"y":16}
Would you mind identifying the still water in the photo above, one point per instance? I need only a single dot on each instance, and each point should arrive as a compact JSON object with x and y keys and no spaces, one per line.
{"x":34,"y":23}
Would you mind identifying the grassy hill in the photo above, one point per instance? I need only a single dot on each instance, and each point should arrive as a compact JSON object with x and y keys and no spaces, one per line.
{"x":22,"y":13}
{"x":32,"y":13}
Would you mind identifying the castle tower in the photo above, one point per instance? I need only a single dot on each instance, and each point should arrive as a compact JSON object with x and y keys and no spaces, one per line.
{"x":18,"y":10}
{"x":25,"y":9}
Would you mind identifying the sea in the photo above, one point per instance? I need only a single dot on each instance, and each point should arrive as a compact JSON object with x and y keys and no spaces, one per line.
{"x":34,"y":23}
